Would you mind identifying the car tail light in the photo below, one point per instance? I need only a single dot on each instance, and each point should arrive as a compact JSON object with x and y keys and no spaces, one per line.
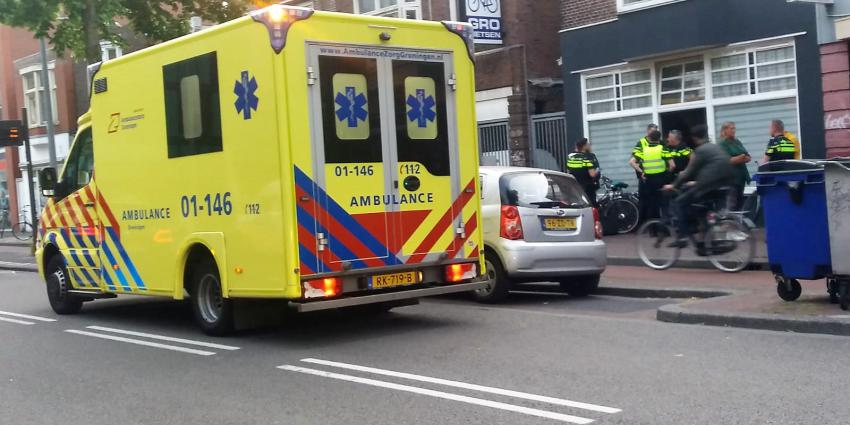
{"x":322,"y":288}
{"x":597,"y":224}
{"x":511,"y":226}
{"x":460,"y":272}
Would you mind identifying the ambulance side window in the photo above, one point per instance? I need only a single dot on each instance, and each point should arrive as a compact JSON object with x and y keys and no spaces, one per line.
{"x":351,"y":119}
{"x":192,"y":111}
{"x":79,"y":166}
{"x":420,"y":99}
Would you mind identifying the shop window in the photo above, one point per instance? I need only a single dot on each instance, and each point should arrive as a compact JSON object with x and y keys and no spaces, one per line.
{"x":192,"y":110}
{"x":682,"y":82}
{"x":619,"y":91}
{"x":34,"y":95}
{"x":753,"y":72}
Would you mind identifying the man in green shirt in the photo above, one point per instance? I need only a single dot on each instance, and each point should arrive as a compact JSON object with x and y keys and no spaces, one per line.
{"x":739,"y":157}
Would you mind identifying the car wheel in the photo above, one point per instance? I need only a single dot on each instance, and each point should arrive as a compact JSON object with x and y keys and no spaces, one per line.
{"x":213,"y":312}
{"x":580,"y":286}
{"x":498,"y":285}
{"x":57,"y":288}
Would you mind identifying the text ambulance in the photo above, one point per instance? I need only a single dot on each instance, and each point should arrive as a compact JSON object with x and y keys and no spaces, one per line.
{"x":326,"y":159}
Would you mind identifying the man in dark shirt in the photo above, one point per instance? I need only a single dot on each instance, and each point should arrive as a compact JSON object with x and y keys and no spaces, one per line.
{"x":709,"y":170}
{"x":779,"y":147}
{"x":679,"y":152}
{"x":739,"y":157}
{"x":584,"y":166}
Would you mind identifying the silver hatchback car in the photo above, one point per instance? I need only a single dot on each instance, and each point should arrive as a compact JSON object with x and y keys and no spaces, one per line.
{"x":538,"y":226}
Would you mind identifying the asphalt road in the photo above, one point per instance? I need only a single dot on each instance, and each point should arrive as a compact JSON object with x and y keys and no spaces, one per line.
{"x":539,"y":359}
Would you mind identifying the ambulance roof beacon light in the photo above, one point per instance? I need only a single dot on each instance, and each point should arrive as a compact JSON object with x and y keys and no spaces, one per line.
{"x":278,"y":19}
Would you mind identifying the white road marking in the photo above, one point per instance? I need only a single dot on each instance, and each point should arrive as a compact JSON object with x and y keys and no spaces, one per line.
{"x":27,"y":316}
{"x":164,"y":338}
{"x":464,"y":385}
{"x":140,"y":342}
{"x":439,"y":394}
{"x":20,"y":322}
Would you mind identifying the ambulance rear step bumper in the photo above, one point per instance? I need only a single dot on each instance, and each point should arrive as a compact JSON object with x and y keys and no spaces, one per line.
{"x":388,"y":297}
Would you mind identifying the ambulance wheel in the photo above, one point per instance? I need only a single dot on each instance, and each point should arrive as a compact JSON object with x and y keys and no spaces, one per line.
{"x":789,"y":289}
{"x":213,"y":312}
{"x":57,"y":288}
{"x":498,"y":285}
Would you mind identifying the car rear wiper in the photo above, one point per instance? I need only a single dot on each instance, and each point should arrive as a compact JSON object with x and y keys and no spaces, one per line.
{"x":554,"y":204}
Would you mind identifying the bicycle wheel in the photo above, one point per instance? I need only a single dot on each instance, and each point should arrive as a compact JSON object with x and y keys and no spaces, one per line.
{"x":730,"y":246}
{"x":653,"y":239}
{"x":22,"y":231}
{"x":623,"y":214}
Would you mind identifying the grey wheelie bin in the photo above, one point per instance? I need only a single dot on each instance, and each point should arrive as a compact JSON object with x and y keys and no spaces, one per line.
{"x":837,"y":173}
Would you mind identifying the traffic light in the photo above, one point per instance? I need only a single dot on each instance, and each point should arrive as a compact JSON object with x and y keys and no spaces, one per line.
{"x":11,"y":133}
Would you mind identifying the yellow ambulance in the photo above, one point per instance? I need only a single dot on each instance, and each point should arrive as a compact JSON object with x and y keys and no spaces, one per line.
{"x":326,"y":159}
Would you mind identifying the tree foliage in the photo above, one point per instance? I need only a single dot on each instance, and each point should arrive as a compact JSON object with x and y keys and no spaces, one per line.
{"x":78,"y":26}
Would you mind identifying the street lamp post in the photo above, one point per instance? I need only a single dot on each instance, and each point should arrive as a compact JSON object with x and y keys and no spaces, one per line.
{"x":46,"y":106}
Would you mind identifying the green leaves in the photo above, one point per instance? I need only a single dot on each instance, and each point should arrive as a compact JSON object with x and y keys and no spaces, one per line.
{"x":78,"y":26}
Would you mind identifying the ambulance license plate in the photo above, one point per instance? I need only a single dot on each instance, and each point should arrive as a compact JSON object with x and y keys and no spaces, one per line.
{"x":394,"y":279}
{"x":559,"y":224}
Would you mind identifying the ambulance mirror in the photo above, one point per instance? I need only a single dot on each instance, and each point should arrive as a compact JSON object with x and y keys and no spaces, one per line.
{"x":47,"y":181}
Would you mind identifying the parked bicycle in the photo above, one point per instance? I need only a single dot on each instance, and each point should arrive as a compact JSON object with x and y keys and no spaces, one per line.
{"x":618,"y":209}
{"x":724,"y":237}
{"x":22,"y":230}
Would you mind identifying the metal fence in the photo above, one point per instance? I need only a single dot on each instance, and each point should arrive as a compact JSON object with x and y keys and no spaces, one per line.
{"x":550,"y":141}
{"x":493,"y":143}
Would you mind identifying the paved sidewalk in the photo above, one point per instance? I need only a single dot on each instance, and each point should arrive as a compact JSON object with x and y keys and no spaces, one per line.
{"x":747,"y":299}
{"x":17,"y":257}
{"x":622,"y":251}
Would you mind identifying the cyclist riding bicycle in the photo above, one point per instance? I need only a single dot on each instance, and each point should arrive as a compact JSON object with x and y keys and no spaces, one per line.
{"x":708,"y":171}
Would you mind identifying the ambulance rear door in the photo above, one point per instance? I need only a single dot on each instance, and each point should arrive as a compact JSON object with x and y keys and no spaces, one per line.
{"x":386,"y":170}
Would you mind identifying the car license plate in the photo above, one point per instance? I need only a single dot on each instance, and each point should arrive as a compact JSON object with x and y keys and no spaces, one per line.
{"x":559,"y":224}
{"x":394,"y":279}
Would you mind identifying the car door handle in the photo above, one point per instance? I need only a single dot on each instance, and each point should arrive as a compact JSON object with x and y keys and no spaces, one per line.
{"x":89,"y":204}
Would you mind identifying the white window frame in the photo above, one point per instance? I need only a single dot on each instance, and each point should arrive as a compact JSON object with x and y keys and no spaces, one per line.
{"x":710,"y":101}
{"x":106,"y":46}
{"x":398,"y":10}
{"x":622,"y":7}
{"x":618,"y":99}
{"x":34,"y":115}
{"x":754,"y":80}
{"x":682,"y":89}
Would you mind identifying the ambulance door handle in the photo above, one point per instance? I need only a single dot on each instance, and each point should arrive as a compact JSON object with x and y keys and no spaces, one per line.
{"x":89,"y":204}
{"x":395,"y":184}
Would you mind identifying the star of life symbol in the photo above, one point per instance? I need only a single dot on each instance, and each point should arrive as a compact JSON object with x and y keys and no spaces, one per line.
{"x":246,"y":98}
{"x":421,"y":108}
{"x":351,"y":106}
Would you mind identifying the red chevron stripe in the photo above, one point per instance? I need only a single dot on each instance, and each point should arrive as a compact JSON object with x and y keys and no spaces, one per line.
{"x":443,"y":224}
{"x":111,"y":218}
{"x":76,"y":220}
{"x":468,"y":229}
{"x":340,"y":232}
{"x":84,"y":209}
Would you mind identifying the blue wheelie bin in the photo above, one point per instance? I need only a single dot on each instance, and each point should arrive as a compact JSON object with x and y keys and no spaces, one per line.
{"x":793,"y":197}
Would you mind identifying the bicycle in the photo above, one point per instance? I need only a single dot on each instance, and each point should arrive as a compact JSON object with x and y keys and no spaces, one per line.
{"x":724,"y":237}
{"x":22,"y":230}
{"x":618,"y":209}
{"x":491,"y":6}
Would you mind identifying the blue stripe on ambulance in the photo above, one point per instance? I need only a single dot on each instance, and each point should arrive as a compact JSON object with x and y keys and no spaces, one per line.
{"x":339,"y":250}
{"x":129,"y":263}
{"x":89,"y":279}
{"x":80,"y":241}
{"x":107,"y":278}
{"x":118,"y":272}
{"x":338,"y":213}
{"x":307,"y":257}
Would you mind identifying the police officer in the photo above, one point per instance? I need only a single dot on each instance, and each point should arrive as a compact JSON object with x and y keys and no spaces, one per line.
{"x":679,"y":152}
{"x":642,"y":142}
{"x":584,"y":166}
{"x":652,"y":163}
{"x":779,"y":147}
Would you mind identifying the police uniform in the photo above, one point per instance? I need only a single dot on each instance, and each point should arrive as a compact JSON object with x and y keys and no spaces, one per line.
{"x":579,"y":165}
{"x":681,"y":156}
{"x":780,"y":148}
{"x":652,"y":158}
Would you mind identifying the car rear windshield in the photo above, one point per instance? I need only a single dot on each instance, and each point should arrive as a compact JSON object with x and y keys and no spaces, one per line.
{"x":541,"y":190}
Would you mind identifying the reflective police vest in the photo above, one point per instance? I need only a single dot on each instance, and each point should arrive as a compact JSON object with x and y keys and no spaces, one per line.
{"x":653,"y":159}
{"x":781,"y":148}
